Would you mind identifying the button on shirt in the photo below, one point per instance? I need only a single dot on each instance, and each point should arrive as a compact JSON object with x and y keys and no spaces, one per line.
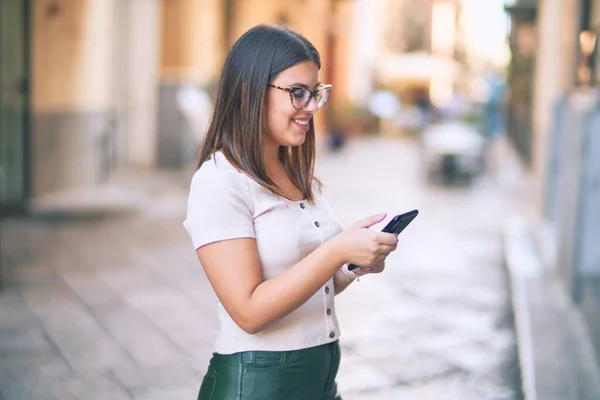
{"x":226,"y":204}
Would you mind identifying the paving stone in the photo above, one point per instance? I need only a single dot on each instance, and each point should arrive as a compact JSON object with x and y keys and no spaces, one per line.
{"x":413,"y":367}
{"x":80,"y":338}
{"x":200,"y":361}
{"x":362,"y":378}
{"x":432,"y":342}
{"x":94,"y":387}
{"x":185,"y":392}
{"x":174,"y":374}
{"x":23,"y":342}
{"x":90,"y":289}
{"x":138,"y":336}
{"x":14,"y":313}
{"x":181,"y":319}
{"x":35,"y":273}
{"x":380,"y":345}
{"x":131,"y":279}
{"x":451,"y":388}
{"x":473,"y":357}
{"x":17,"y":391}
{"x":22,"y":371}
{"x":53,"y":293}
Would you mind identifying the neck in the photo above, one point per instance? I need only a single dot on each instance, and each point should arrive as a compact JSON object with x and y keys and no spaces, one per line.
{"x":271,"y":154}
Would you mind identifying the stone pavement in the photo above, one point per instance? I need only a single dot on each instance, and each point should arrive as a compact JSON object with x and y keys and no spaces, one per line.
{"x":119,"y":308}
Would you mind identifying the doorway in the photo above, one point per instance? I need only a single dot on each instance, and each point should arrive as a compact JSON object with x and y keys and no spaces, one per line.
{"x":14,"y":106}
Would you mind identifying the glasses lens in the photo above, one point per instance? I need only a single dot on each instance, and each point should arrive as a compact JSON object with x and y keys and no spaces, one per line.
{"x":300,"y":97}
{"x":322,"y":96}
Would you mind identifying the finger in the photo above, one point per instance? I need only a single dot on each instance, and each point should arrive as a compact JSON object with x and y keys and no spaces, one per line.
{"x":386,"y":249}
{"x":370,"y":221}
{"x":386,"y":238}
{"x":378,"y":260}
{"x":363,"y":271}
{"x":379,"y":267}
{"x":371,"y":270}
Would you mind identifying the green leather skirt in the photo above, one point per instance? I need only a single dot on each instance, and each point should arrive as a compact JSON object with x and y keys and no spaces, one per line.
{"x":307,"y":374}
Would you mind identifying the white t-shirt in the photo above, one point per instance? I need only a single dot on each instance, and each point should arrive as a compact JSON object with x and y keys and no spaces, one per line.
{"x":226,"y":204}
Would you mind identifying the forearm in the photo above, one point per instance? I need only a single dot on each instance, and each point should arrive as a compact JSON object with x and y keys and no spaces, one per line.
{"x":277,"y":297}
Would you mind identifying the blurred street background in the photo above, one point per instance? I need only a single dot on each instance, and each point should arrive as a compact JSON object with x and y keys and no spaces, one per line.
{"x":482,"y":114}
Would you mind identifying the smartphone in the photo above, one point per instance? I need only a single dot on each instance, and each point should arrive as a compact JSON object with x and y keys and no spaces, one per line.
{"x":396,"y":225}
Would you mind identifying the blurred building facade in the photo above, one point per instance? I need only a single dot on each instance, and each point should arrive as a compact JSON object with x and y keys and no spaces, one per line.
{"x":421,"y":51}
{"x":555,"y":124}
{"x":92,"y":86}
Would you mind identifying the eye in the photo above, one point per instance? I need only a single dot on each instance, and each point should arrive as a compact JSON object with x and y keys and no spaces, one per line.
{"x":298,"y":92}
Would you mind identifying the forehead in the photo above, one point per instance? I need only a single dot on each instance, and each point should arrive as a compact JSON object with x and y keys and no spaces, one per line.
{"x":305,"y":72}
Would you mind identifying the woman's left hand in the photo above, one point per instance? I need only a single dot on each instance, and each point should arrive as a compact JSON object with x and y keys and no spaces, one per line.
{"x":370,"y":270}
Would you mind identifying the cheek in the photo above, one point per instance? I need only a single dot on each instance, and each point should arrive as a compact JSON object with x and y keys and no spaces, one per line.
{"x":279,"y":119}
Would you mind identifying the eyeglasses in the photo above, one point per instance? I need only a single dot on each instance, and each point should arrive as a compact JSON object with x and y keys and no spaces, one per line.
{"x":301,"y":96}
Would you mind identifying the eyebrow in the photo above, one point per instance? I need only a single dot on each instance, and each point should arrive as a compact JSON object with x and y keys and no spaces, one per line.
{"x":303,"y":85}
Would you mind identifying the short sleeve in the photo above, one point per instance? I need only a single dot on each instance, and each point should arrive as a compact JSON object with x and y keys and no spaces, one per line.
{"x":219,"y":207}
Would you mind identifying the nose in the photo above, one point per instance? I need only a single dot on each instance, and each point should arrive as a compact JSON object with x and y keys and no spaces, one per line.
{"x":312,"y":105}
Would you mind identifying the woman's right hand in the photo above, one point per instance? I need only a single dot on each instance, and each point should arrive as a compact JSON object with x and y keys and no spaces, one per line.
{"x":362,"y":246}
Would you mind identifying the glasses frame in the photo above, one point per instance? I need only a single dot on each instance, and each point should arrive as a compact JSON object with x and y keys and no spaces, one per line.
{"x":313,"y":93}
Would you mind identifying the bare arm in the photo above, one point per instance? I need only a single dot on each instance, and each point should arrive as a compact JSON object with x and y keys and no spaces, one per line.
{"x":233,"y":268}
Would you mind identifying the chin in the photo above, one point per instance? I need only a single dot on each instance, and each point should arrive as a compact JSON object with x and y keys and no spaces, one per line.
{"x":294,"y":140}
{"x":298,"y":141}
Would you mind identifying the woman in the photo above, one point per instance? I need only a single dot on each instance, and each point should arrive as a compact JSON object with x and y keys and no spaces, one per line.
{"x":270,"y":246}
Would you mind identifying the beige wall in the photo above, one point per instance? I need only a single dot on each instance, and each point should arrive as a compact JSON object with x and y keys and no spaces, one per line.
{"x":72,"y":60}
{"x":191,"y":40}
{"x":248,"y":13}
{"x":309,"y":18}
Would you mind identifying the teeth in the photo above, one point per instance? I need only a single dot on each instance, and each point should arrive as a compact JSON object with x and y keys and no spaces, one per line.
{"x":301,"y":122}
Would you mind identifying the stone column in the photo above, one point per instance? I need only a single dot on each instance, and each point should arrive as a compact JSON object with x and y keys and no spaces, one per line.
{"x":190,"y":57}
{"x":72,"y":101}
{"x":138,"y":50}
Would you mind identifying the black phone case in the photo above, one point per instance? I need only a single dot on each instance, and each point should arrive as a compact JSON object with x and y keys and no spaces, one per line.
{"x":399,"y":222}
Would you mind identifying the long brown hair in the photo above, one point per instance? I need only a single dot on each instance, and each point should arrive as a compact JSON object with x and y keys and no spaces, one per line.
{"x":238,"y":121}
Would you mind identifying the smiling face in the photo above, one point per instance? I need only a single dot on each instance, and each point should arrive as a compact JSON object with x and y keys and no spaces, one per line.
{"x":287,"y":126}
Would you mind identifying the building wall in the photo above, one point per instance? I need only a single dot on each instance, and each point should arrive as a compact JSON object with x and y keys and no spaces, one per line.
{"x":191,"y":45}
{"x":190,"y":56}
{"x":72,"y":92}
{"x":558,"y":23}
{"x":107,"y":74}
